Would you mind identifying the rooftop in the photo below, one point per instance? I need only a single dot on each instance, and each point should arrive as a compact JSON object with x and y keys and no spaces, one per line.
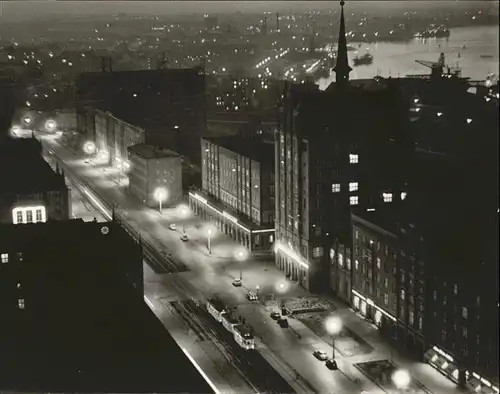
{"x":23,"y":169}
{"x":217,"y":304}
{"x":151,"y":152}
{"x":254,"y":148}
{"x":84,"y":328}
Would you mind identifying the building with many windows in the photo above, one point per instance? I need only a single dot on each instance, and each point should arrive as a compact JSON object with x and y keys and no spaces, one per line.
{"x":73,"y":316}
{"x":426,"y":270}
{"x":335,"y":150}
{"x":151,"y":168}
{"x":238,"y":189}
{"x":31,"y":191}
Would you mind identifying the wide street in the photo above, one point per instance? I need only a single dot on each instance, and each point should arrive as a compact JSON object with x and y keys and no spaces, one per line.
{"x":289,"y":351}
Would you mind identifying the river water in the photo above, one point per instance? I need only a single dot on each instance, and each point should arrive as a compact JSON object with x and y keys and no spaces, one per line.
{"x":464,"y":48}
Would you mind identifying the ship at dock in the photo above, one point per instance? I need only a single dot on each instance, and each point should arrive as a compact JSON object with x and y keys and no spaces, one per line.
{"x":363,"y":60}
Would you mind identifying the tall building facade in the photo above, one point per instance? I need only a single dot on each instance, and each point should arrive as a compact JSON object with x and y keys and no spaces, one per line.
{"x":33,"y":192}
{"x":336,"y":150}
{"x":238,"y":189}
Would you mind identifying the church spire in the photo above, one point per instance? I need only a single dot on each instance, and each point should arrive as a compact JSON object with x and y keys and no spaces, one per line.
{"x":342,"y":68}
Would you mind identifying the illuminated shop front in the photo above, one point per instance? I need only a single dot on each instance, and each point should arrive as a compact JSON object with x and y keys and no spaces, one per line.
{"x":253,"y":237}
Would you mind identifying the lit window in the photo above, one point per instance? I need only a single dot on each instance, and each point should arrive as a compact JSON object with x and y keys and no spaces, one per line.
{"x":386,"y":299}
{"x":387,"y":197}
{"x":378,"y":262}
{"x":29,"y":216}
{"x":20,"y":256}
{"x":386,"y":283}
{"x":357,"y":234}
{"x":420,"y":323}
{"x":464,"y":332}
{"x":356,"y":264}
{"x":318,"y":252}
{"x":455,"y":289}
{"x":20,"y":303}
{"x":332,"y":254}
{"x":402,"y":294}
{"x":465,"y":312}
{"x":5,"y":257}
{"x":19,"y":217}
{"x":335,"y":187}
{"x":410,"y":318}
{"x":348,"y":263}
{"x":353,"y":200}
{"x":353,"y":186}
{"x":341,"y":260}
{"x":403,"y":195}
{"x":353,"y":158}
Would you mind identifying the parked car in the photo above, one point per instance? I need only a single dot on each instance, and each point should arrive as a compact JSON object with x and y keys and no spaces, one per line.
{"x":172,"y":226}
{"x":252,"y":296}
{"x":283,"y":322}
{"x":184,"y":238}
{"x":320,"y":355}
{"x":275,"y":315}
{"x":237,"y":282}
{"x":331,"y":364}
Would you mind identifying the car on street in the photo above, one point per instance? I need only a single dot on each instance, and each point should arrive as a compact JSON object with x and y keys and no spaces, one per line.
{"x":252,"y":296}
{"x":320,"y":355}
{"x":283,"y":322}
{"x":86,"y":161}
{"x":172,"y":226}
{"x":184,"y":238}
{"x":237,"y":282}
{"x":275,"y":315}
{"x":331,"y":364}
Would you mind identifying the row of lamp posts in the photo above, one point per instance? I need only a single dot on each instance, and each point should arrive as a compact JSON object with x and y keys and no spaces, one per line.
{"x":401,"y":378}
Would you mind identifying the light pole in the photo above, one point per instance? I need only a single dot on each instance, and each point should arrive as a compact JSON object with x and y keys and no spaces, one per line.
{"x":241,"y":255}
{"x":160,"y":195}
{"x":209,"y":236}
{"x":257,"y":288}
{"x":184,"y":212}
{"x":333,"y":326}
{"x":401,"y":379}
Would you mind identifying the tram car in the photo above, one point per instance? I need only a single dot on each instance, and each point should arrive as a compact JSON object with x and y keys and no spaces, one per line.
{"x":216,"y":308}
{"x":242,"y":334}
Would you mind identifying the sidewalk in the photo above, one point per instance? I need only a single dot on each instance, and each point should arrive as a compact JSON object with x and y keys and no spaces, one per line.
{"x":296,"y":345}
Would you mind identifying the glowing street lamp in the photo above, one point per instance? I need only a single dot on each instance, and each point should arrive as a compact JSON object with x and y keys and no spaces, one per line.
{"x":241,"y":255}
{"x":50,"y":125}
{"x":89,"y":148}
{"x":27,"y":120}
{"x":333,"y":326}
{"x":14,"y":130}
{"x":257,"y":288}
{"x":184,"y":212}
{"x":401,"y":379}
{"x":210,"y":234}
{"x":160,"y":195}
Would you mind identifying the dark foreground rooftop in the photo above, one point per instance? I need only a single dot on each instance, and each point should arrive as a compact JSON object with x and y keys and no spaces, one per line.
{"x":127,"y":350}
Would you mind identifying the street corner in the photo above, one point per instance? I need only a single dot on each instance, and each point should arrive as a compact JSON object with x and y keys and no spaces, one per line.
{"x":389,"y":377}
{"x":347,"y":342}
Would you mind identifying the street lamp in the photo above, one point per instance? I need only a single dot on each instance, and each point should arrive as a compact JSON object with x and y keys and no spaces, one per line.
{"x":184,"y":212}
{"x":160,"y":195}
{"x":27,"y":120}
{"x":401,"y":379}
{"x":281,"y":288}
{"x":333,"y":326}
{"x":210,"y":233}
{"x":257,"y":288}
{"x":89,"y":148}
{"x":50,"y":125}
{"x":241,"y":255}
